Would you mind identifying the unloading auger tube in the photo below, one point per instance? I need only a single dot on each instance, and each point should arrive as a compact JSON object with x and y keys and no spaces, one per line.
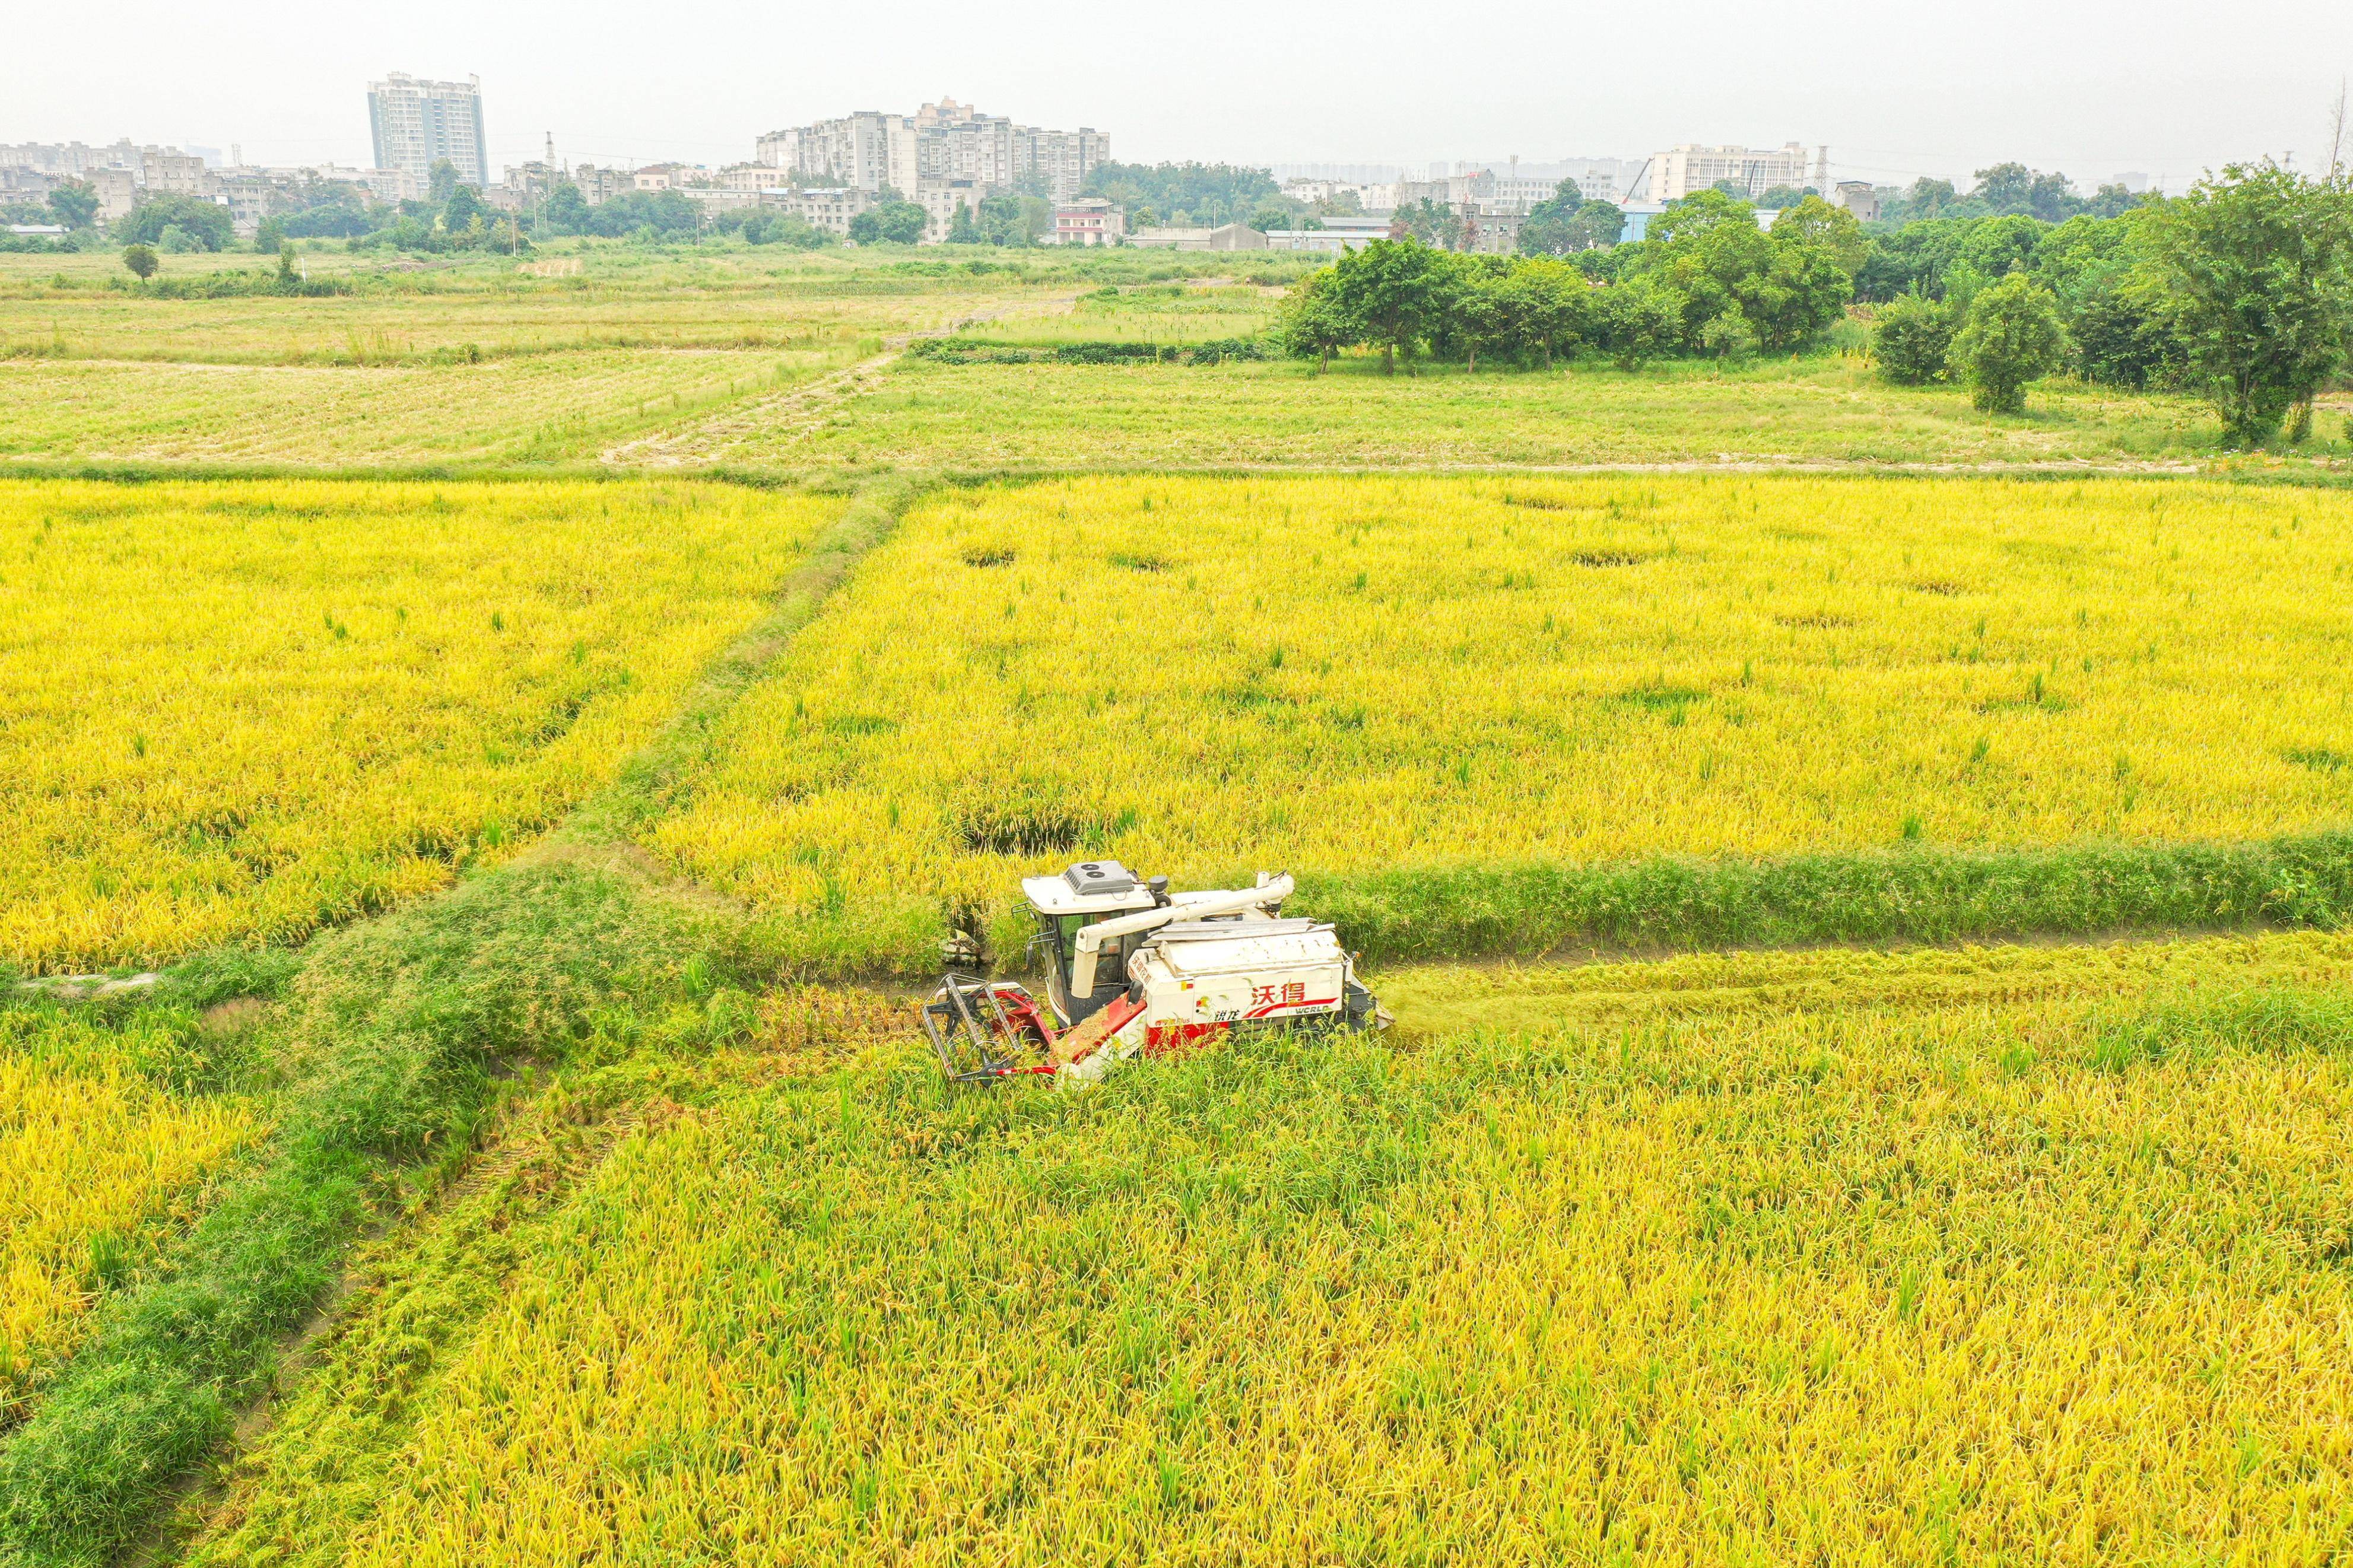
{"x":1131,"y":967}
{"x":1091,"y":938}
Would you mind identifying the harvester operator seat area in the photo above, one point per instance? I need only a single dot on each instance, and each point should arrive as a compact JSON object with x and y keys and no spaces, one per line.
{"x":1090,"y":891}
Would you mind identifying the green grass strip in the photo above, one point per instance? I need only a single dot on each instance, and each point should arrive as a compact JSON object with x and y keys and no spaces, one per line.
{"x":395,"y":1032}
{"x":1921,"y":895}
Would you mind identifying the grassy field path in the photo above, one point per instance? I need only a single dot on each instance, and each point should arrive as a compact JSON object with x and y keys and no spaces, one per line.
{"x":711,"y":440}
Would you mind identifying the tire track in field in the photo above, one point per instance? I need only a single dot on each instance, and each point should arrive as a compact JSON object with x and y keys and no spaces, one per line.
{"x":801,"y":406}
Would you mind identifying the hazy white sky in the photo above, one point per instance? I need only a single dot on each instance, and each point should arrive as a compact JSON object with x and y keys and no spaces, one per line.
{"x":2168,"y":87}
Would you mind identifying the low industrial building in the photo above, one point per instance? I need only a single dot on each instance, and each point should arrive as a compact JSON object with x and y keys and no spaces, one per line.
{"x":1232,"y":237}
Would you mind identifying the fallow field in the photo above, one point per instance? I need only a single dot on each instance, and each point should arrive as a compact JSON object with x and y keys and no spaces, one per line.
{"x":1870,"y":1076}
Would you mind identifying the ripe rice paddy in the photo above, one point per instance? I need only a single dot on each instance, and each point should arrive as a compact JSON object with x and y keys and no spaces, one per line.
{"x":235,"y":711}
{"x":2009,"y":1253}
{"x":2056,"y":1275}
{"x":1204,"y":677}
{"x":97,"y":1159}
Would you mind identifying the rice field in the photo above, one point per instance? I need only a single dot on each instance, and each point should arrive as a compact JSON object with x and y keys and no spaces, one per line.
{"x":2056,"y":1275}
{"x":532,"y":409}
{"x":96,"y":1159}
{"x":1972,"y":1254}
{"x":231,"y":712}
{"x":499,"y":316}
{"x":1204,"y":677}
{"x":1164,"y":313}
{"x":1059,"y":418}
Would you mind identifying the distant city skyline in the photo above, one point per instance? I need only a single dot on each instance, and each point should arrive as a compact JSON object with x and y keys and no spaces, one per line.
{"x":2103,"y":87}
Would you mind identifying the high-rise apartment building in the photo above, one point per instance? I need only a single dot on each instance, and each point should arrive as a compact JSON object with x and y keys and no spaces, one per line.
{"x":417,"y":123}
{"x":942,"y":147}
{"x":1676,"y":174}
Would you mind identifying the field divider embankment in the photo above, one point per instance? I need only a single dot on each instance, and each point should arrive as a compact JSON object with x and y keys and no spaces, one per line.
{"x":400,"y":1041}
{"x":1923,"y":896}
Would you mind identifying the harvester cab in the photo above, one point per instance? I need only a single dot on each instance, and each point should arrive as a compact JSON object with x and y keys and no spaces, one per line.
{"x":1131,"y":967}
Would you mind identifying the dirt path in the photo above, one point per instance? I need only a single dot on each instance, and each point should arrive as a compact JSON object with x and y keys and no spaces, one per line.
{"x":801,"y":407}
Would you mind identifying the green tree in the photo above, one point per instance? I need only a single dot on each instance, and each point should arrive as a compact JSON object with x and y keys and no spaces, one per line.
{"x":2012,"y":337}
{"x":2251,"y":272}
{"x":1391,"y":290}
{"x":1815,"y":221}
{"x":75,"y":204}
{"x":1995,"y":247}
{"x":1781,"y":198}
{"x":1548,"y":227}
{"x":1774,"y":291}
{"x":1315,"y":323}
{"x":565,"y":209}
{"x":1551,"y":306}
{"x":1597,"y":225}
{"x":1484,"y":310}
{"x":463,"y":208}
{"x":961,"y":230}
{"x":2052,"y":199}
{"x":1213,"y":193}
{"x":203,"y":225}
{"x":142,"y":260}
{"x":1929,"y":198}
{"x":2114,"y":201}
{"x":893,"y":222}
{"x":1700,"y":214}
{"x":1016,"y":220}
{"x":2006,"y":188}
{"x":1634,"y":322}
{"x":1912,"y":339}
{"x":440,"y":182}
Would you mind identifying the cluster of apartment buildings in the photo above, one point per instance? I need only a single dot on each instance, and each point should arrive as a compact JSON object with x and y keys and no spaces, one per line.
{"x":945,"y":156}
{"x":945,"y":142}
{"x":1492,"y":201}
{"x":126,"y":174}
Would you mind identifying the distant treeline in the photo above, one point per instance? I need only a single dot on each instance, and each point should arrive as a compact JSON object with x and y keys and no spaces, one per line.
{"x":2241,"y":290}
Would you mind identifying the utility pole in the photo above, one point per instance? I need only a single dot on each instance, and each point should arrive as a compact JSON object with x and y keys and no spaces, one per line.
{"x":2336,"y":134}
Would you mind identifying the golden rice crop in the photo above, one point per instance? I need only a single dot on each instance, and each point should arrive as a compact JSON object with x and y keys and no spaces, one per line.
{"x":231,"y":711}
{"x":92,"y":1153}
{"x":1885,"y":1285}
{"x":1201,"y":676}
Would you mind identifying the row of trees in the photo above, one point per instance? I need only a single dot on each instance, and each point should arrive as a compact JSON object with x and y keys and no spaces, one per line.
{"x":2242,"y":290}
{"x":1706,"y":280}
{"x":2007,"y":190}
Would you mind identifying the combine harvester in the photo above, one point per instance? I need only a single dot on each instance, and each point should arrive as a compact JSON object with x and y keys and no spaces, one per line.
{"x":1133,"y":967}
